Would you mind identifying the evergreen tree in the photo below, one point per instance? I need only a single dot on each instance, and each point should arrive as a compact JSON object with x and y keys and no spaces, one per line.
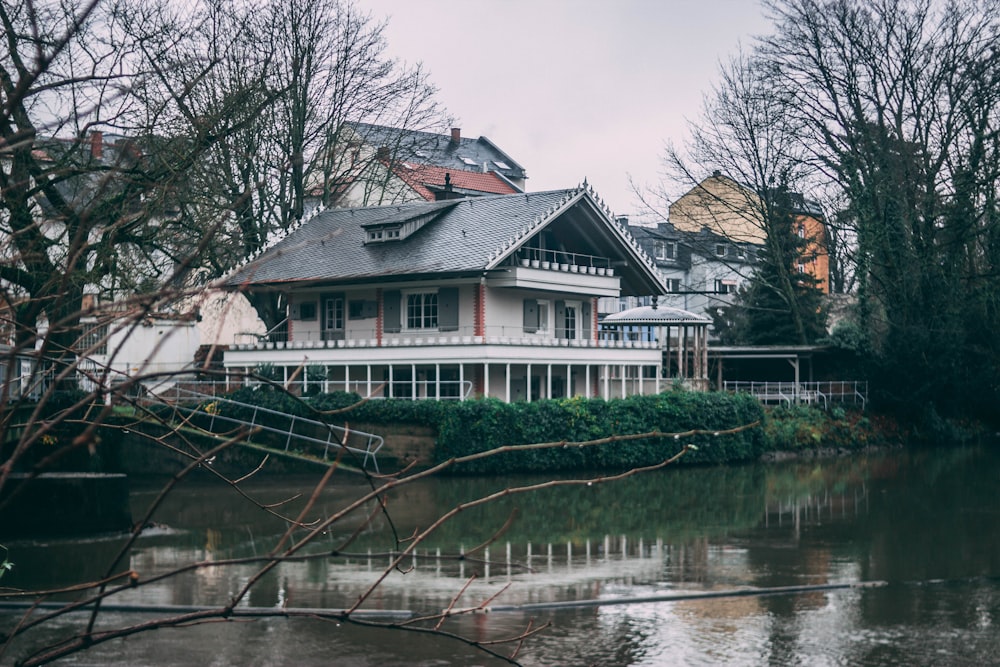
{"x":780,"y":305}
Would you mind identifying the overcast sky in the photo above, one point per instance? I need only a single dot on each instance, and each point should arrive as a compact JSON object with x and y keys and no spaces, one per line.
{"x":573,"y":88}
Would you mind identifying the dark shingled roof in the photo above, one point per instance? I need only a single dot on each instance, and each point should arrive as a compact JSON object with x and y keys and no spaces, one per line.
{"x":459,"y":238}
{"x":439,"y":150}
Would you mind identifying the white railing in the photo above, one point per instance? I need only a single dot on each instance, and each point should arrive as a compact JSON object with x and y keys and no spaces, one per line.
{"x":831,"y":391}
{"x":189,"y":404}
{"x":498,"y":335}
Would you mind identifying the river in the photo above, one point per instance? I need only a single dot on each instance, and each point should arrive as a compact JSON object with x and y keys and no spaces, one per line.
{"x":924,"y":524}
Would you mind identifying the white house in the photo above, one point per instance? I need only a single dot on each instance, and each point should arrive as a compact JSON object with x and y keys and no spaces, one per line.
{"x":493,"y":295}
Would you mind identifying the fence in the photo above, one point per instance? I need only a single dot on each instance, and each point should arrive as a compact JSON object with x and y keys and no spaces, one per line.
{"x":299,"y":433}
{"x":833,"y":391}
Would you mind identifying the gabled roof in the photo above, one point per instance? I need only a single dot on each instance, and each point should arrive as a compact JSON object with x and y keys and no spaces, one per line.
{"x":456,"y":237}
{"x":440,"y":150}
{"x":427,"y":180}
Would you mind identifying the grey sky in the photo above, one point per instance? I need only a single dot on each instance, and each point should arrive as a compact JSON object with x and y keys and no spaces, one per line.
{"x":573,"y":88}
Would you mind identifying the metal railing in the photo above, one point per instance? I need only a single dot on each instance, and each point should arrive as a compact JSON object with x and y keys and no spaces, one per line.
{"x":832,"y":391}
{"x":204,"y":411}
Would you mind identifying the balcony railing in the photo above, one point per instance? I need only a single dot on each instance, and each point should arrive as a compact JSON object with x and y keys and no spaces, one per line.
{"x":494,"y":335}
{"x":559,"y":260}
{"x":832,"y":391}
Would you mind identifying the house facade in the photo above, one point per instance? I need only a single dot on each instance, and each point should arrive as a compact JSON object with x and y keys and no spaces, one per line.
{"x":384,"y":165}
{"x":701,"y":271}
{"x":725,"y":207}
{"x":486,"y":296}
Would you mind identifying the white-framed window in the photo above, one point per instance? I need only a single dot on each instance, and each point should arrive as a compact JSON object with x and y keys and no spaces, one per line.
{"x":665,"y":250}
{"x":333,"y":314}
{"x":725,"y":286}
{"x":673,"y":284}
{"x":422,"y":310}
{"x":570,"y":321}
{"x":720,"y":249}
{"x":94,"y":333}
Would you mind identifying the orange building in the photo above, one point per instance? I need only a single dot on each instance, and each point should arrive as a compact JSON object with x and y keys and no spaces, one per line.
{"x":733,"y":210}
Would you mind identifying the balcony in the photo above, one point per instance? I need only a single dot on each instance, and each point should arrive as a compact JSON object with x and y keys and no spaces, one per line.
{"x":557,"y":271}
{"x":498,"y":335}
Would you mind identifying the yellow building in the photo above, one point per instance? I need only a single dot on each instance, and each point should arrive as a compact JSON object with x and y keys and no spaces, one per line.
{"x":733,"y":210}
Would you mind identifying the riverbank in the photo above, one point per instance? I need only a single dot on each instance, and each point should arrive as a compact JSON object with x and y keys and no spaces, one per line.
{"x":724,"y":428}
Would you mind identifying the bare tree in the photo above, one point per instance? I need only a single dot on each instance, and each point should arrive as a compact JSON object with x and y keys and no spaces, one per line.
{"x":747,"y":136}
{"x":96,"y":144}
{"x":328,"y":61}
{"x":898,"y":103}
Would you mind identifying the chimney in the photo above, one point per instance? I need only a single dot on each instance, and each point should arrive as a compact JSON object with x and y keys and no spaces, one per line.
{"x":456,"y":135}
{"x":96,"y":144}
{"x":448,"y":191}
{"x":382,"y":153}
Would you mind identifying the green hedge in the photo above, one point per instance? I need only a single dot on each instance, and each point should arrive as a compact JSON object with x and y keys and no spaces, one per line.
{"x":475,"y":426}
{"x":466,"y":427}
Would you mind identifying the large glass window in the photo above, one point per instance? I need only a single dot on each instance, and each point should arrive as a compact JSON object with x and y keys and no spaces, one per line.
{"x":422,"y":311}
{"x":94,"y":334}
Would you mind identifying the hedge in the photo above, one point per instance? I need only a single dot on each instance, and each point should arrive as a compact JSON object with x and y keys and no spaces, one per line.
{"x":466,"y":427}
{"x":474,"y":426}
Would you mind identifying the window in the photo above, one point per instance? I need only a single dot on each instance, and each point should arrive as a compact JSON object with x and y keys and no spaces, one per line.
{"x":543,"y":317}
{"x":94,"y":334}
{"x":725,"y":286}
{"x":361,"y":309}
{"x":383,"y":234}
{"x":333,"y":314}
{"x":802,"y":267}
{"x":720,"y":249}
{"x":673,"y":284}
{"x":665,"y":250}
{"x":570,"y":322}
{"x":421,"y":310}
{"x":802,"y":231}
{"x":307,"y":311}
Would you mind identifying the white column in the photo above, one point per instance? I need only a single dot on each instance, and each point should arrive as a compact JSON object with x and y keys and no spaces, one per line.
{"x":461,"y":381}
{"x":548,"y":381}
{"x":486,"y":379}
{"x":413,"y":381}
{"x":569,"y":381}
{"x":368,"y":377}
{"x":527,"y":384}
{"x":390,"y":381}
{"x":586,"y":379}
{"x":624,"y":367}
{"x":607,"y":381}
{"x":347,"y":377}
{"x":507,"y":399}
{"x":437,"y":381}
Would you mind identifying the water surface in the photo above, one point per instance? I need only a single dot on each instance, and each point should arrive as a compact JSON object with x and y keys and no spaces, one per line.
{"x":924,"y":522}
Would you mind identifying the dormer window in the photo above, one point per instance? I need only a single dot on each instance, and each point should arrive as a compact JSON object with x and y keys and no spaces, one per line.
{"x":380,"y":234}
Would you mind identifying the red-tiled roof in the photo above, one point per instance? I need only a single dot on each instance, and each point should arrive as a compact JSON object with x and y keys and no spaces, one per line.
{"x":420,"y":176}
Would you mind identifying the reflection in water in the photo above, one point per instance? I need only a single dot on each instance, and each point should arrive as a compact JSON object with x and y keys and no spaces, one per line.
{"x":907,"y":518}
